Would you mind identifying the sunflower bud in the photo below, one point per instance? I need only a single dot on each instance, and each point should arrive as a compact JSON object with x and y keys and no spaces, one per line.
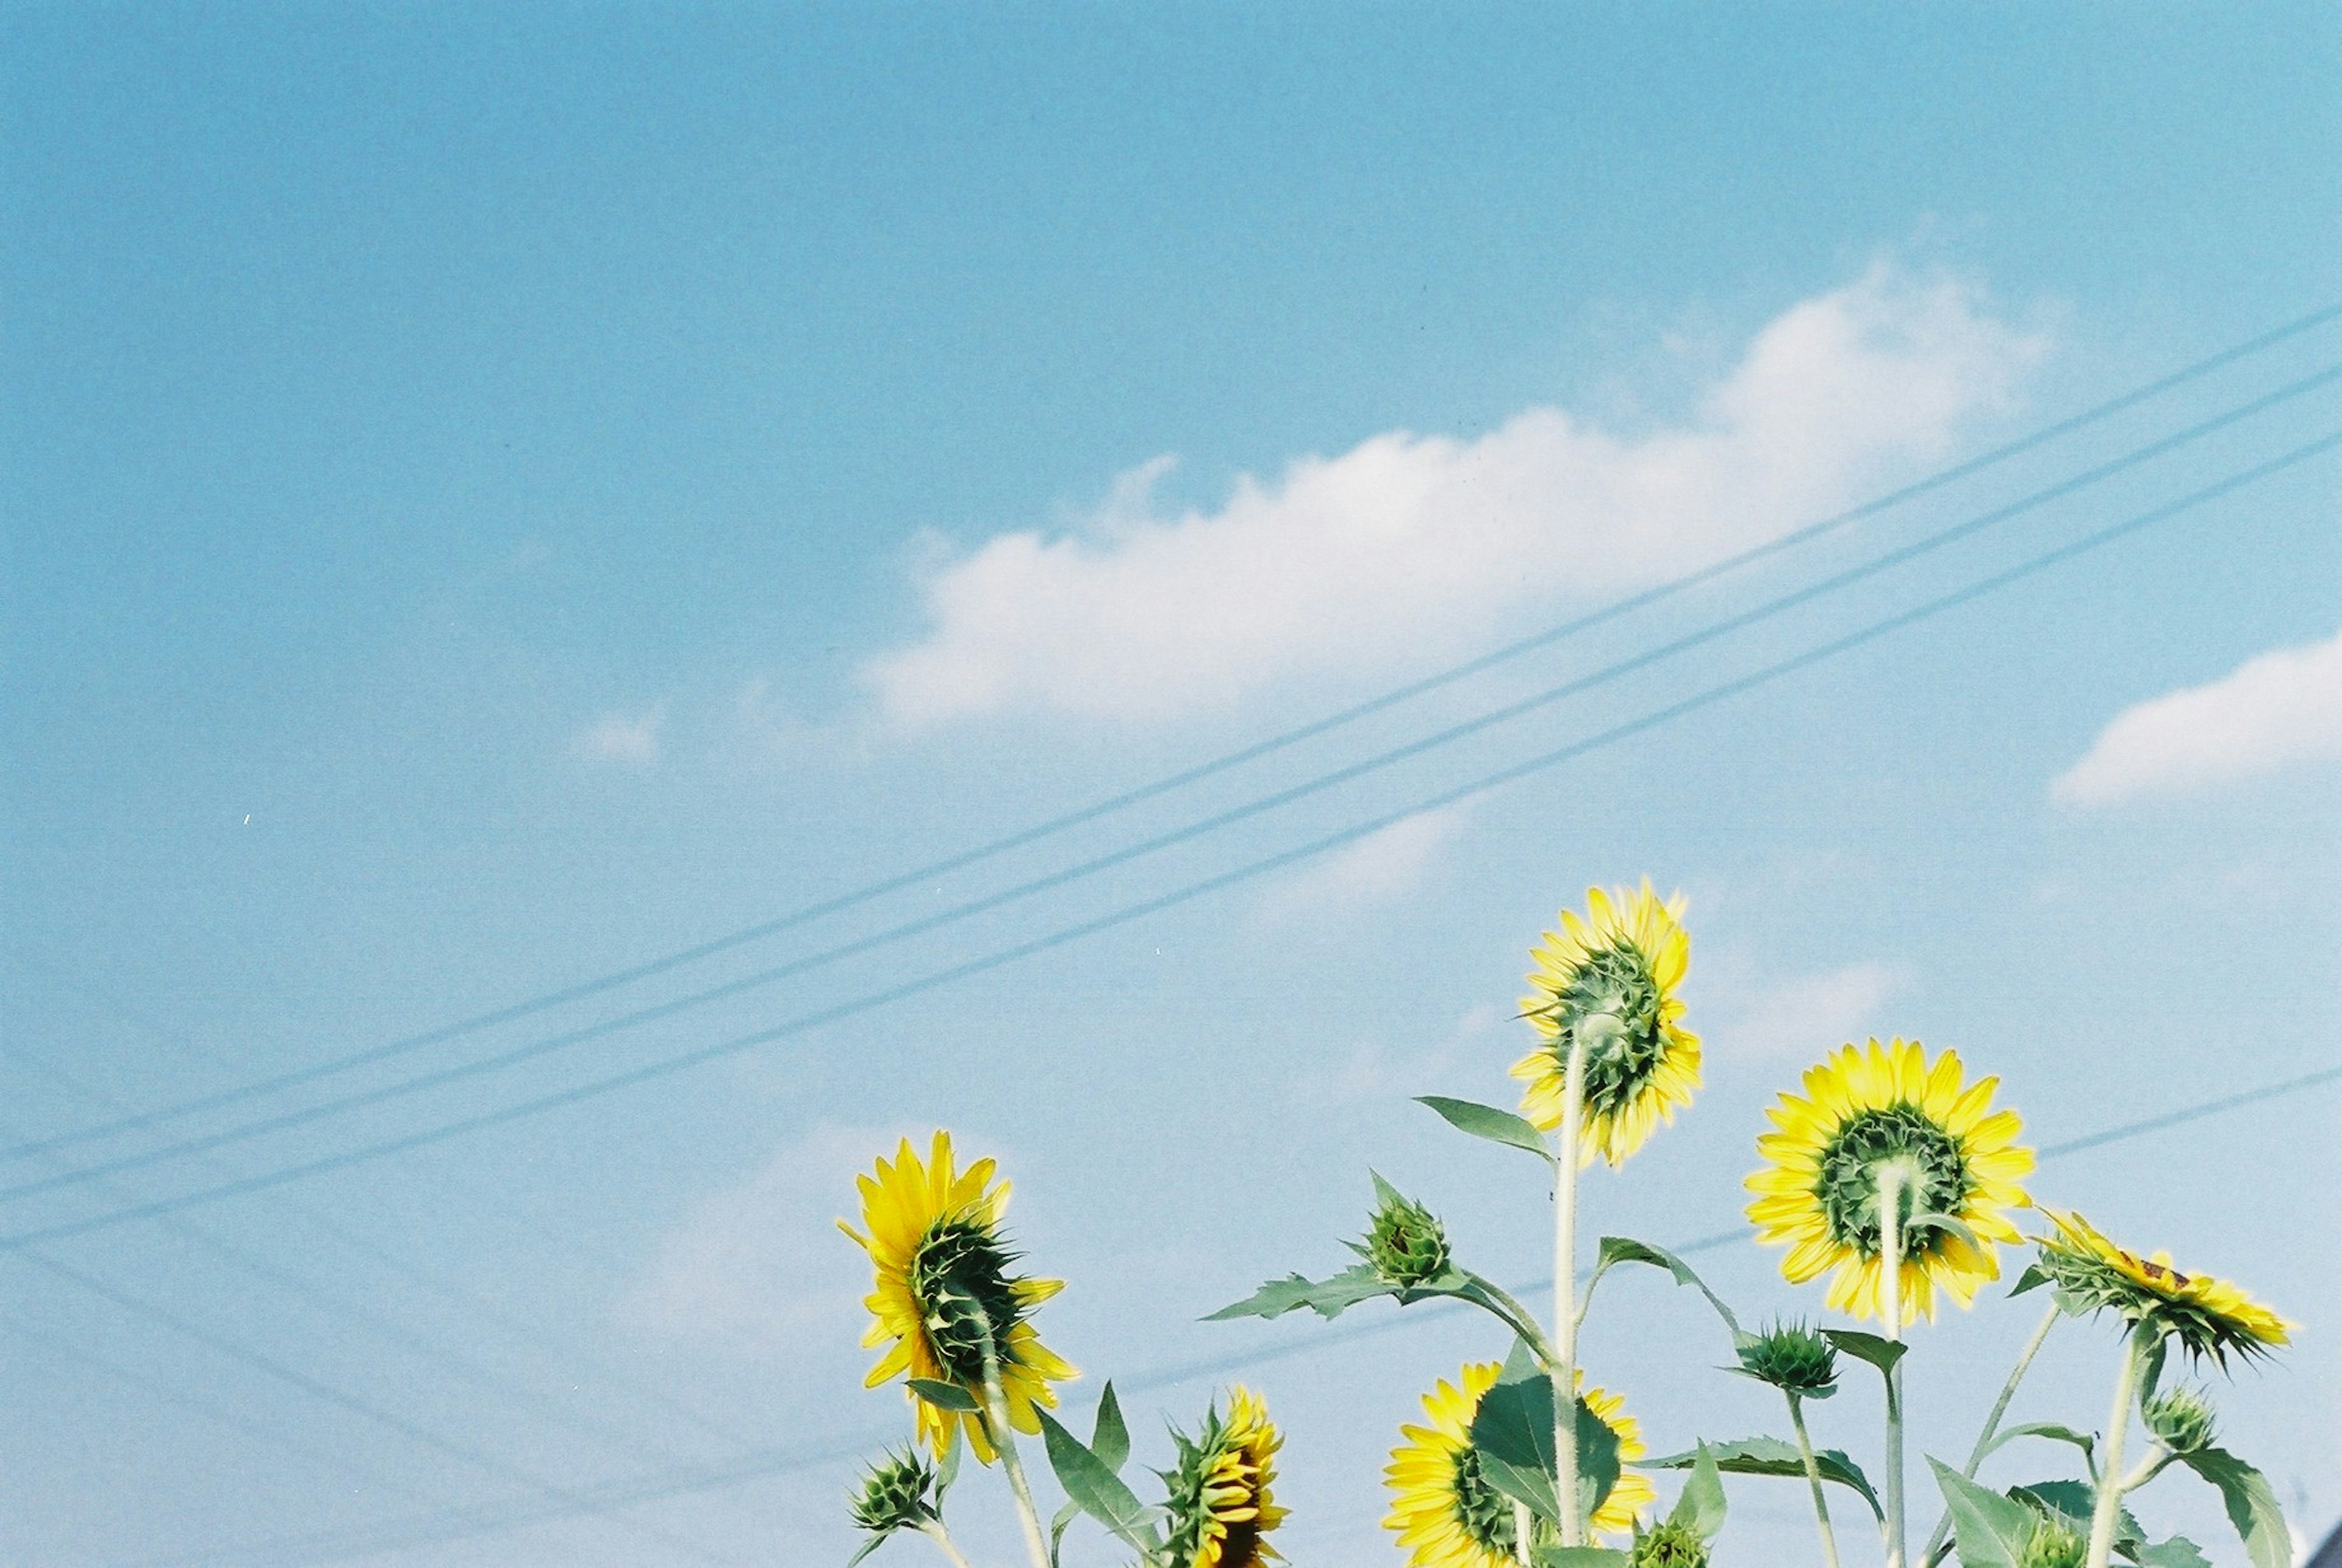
{"x":2180,"y":1418}
{"x":2054,"y":1544}
{"x":1793,"y":1358}
{"x":1405,"y":1242}
{"x":1667,"y":1544}
{"x":893,"y":1495}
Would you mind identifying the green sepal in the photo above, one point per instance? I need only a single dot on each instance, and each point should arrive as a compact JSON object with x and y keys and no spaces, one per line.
{"x":947,"y":1472}
{"x":2076,"y":1504}
{"x":2177,"y":1552}
{"x":1513,"y":1433}
{"x":2150,"y":1372}
{"x":2087,"y":1442}
{"x":1991,"y":1530}
{"x":946,"y":1395}
{"x":1488,"y":1122}
{"x":1700,"y":1507}
{"x":1099,"y":1490}
{"x":1882,"y":1353}
{"x":1774,"y":1456}
{"x":1110,"y":1439}
{"x":1627,"y":1250}
{"x":1577,"y":1557}
{"x":868,"y":1546}
{"x":2251,"y":1502}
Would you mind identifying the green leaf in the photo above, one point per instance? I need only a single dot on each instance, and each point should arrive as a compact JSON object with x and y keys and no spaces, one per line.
{"x":1100,"y":1491}
{"x":1328,"y":1298}
{"x":2032,"y":1279}
{"x":1110,"y":1440}
{"x":1513,"y":1431}
{"x":2252,"y":1505}
{"x":2085,"y":1442}
{"x":1991,"y":1530}
{"x":1520,"y":1363}
{"x":947,"y":1472}
{"x":2177,"y":1552}
{"x":1774,"y":1456}
{"x":945,"y":1396}
{"x":1058,"y":1526}
{"x":1700,"y":1508}
{"x":1882,"y":1353}
{"x":1488,"y":1122}
{"x":1627,"y":1250}
{"x":1577,"y":1557}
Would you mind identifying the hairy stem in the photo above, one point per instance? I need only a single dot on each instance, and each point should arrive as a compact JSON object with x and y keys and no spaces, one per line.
{"x":1524,"y":1531}
{"x":1812,"y":1479}
{"x":1940,"y":1539}
{"x":996,"y":1408}
{"x":1517,"y":1317}
{"x":934,"y":1531}
{"x":1890,"y":1301}
{"x":2110,"y":1477}
{"x":1564,"y":1293}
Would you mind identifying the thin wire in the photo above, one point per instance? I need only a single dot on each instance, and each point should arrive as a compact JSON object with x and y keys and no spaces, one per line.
{"x":1129,"y":912}
{"x":488,"y":1520}
{"x":963,"y":859}
{"x":1902,"y":555}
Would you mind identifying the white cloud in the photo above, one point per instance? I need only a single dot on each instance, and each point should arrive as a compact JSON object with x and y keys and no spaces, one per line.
{"x":1408,"y":546}
{"x":1377,"y":869}
{"x":631,"y":739}
{"x":2280,"y":710}
{"x":1810,"y":1016}
{"x":759,"y":1268}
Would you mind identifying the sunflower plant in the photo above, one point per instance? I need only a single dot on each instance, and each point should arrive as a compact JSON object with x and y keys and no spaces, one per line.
{"x":1888,"y":1175}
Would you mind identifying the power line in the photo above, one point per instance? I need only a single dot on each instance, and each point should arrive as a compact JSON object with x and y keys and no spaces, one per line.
{"x":960,"y":861}
{"x":1066,"y":935}
{"x":1780,"y":604}
{"x":455,"y":1524}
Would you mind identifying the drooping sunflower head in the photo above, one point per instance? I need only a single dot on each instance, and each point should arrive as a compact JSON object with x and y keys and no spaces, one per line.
{"x":1956,"y":1167}
{"x":2209,"y":1316}
{"x":893,"y":1495}
{"x":1445,"y":1513}
{"x":946,"y":1297}
{"x":1220,"y":1508}
{"x":1608,"y":981}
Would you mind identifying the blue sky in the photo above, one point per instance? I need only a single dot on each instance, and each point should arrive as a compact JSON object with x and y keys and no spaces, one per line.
{"x":494,"y":498}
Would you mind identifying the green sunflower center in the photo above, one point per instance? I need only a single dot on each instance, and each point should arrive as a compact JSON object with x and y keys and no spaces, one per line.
{"x":959,"y":1276}
{"x":1848,"y":1185}
{"x":1616,"y":981}
{"x":1485,"y":1512}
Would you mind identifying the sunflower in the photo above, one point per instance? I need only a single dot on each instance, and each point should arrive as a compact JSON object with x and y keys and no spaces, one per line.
{"x":2211,"y":1317}
{"x":1623,"y":960}
{"x":1220,"y":1506}
{"x":1865,"y":1107}
{"x":1448,"y":1514}
{"x":944,"y":1294}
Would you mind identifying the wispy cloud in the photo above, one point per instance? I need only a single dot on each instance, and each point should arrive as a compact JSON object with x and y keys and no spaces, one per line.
{"x":632,"y":739}
{"x":1375,"y":870}
{"x":1810,"y":1015}
{"x":1408,"y":544}
{"x":2281,"y":710}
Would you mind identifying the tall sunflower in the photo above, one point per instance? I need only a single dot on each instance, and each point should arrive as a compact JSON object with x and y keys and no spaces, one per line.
{"x":1625,"y":960}
{"x":945,"y":1293}
{"x":1865,"y":1107}
{"x":1446,"y":1513}
{"x":1221,"y":1509}
{"x":2209,"y":1316}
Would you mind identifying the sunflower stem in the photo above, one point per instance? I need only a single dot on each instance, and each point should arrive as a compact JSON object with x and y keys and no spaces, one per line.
{"x":1517,"y":1317}
{"x":1890,"y":1306}
{"x":2110,"y":1477}
{"x":1524,"y":1531}
{"x":1004,"y":1438}
{"x":1813,"y":1478}
{"x":1938,"y":1539}
{"x":934,"y":1531}
{"x":1565,"y":1293}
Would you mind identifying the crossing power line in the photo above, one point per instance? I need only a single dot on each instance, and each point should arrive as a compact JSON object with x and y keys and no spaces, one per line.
{"x":1609,"y":673}
{"x":1154,"y":789}
{"x":1126,"y":913}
